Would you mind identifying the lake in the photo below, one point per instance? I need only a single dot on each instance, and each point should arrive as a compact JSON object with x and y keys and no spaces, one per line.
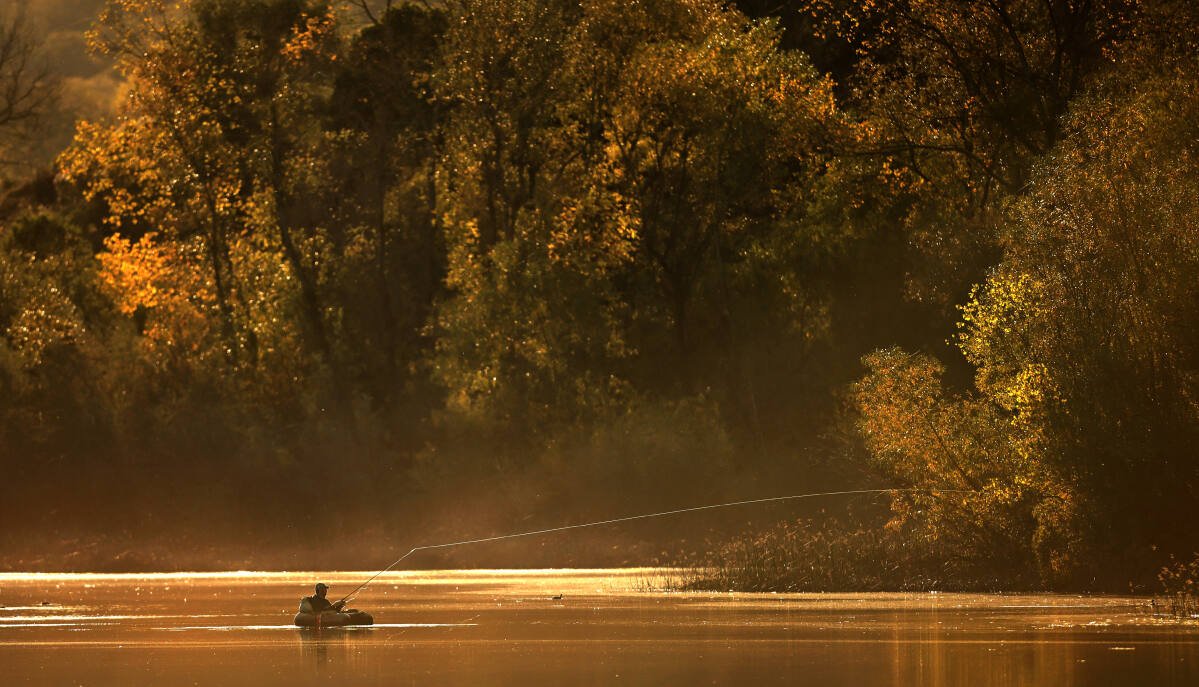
{"x":485,"y":627}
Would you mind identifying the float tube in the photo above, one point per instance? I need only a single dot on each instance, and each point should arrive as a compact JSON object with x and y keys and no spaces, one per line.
{"x":333,"y":619}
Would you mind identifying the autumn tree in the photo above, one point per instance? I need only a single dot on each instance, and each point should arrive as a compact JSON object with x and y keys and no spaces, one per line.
{"x":969,"y":492}
{"x":713,"y":145}
{"x":207,"y":146}
{"x":962,"y":99}
{"x":1083,"y":343}
{"x":644,"y":160}
{"x":497,"y":193}
{"x":1094,"y":359}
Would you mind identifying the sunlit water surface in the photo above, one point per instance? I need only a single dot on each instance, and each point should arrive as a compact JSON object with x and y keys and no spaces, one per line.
{"x":607,"y":627}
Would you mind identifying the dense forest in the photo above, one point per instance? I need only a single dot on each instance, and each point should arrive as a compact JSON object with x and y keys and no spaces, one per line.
{"x":339,"y":277}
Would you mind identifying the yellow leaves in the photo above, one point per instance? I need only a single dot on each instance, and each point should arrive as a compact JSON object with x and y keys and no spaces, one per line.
{"x":134,"y":273}
{"x":158,"y":280}
{"x":925,"y":437}
{"x":462,"y":272}
{"x":897,"y":405}
{"x":125,"y":165}
{"x":595,"y":233}
{"x":1031,"y":387}
{"x":996,"y":314}
{"x":312,"y":39}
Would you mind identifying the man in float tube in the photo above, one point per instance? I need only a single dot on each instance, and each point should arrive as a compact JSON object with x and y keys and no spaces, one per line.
{"x":317,"y":603}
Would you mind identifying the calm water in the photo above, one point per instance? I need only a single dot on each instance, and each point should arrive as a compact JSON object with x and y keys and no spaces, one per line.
{"x":505,"y":627}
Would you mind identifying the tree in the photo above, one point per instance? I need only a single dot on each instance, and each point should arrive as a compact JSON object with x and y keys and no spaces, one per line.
{"x":51,"y":324}
{"x":612,"y":171}
{"x":28,"y":88}
{"x":212,"y":143}
{"x":498,"y":189}
{"x":962,"y":99}
{"x":712,"y":144}
{"x":1098,"y":355}
{"x":977,"y":491}
{"x":1083,"y":345}
{"x":386,"y":159}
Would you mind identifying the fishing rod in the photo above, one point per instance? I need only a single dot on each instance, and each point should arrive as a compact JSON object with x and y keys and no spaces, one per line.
{"x":643,"y":516}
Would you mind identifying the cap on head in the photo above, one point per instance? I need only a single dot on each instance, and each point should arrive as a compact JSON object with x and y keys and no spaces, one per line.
{"x":321,"y":585}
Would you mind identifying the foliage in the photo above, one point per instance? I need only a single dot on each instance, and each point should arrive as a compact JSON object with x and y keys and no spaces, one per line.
{"x":961,"y":99}
{"x":607,"y":253}
{"x":600,"y":201}
{"x":1080,"y":341}
{"x":975,"y":493}
{"x":1179,"y":591}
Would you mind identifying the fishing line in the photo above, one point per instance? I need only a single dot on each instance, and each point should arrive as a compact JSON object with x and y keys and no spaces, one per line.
{"x":644,"y":516}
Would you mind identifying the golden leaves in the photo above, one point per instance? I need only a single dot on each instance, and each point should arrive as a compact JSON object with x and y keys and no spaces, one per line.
{"x":313,"y":38}
{"x":123,"y":165}
{"x":160,"y":280}
{"x":135,"y":274}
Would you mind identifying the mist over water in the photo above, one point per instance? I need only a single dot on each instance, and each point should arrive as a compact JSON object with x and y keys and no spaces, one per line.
{"x":607,"y":627}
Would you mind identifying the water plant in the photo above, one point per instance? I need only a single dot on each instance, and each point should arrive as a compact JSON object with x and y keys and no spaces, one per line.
{"x":816,"y":555}
{"x":1180,"y":590}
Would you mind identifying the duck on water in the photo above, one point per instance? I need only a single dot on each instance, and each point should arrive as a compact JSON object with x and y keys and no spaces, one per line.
{"x":317,"y":611}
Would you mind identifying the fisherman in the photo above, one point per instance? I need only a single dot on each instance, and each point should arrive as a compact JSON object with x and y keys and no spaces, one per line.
{"x":317,"y":603}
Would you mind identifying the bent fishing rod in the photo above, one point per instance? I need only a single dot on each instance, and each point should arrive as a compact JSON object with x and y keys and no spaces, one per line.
{"x":643,"y":516}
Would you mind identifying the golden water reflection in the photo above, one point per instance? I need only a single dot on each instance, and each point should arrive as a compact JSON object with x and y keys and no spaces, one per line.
{"x":565,"y":627}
